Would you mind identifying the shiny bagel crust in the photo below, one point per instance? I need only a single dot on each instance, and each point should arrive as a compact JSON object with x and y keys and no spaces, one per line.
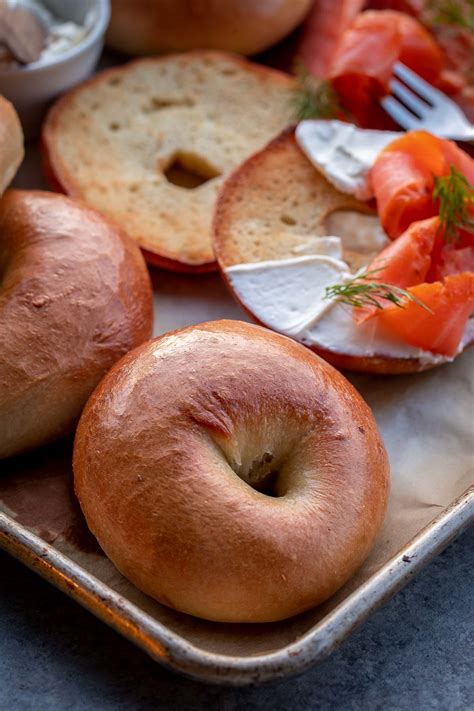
{"x":75,"y":296}
{"x":230,"y":473}
{"x":243,"y":26}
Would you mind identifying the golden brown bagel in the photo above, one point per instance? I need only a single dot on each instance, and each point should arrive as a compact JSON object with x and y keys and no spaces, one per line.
{"x":74,"y":297}
{"x":271,"y":203}
{"x":244,"y":26}
{"x":230,"y":473}
{"x":11,"y":143}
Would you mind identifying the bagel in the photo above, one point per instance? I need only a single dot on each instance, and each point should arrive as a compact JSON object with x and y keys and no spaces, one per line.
{"x":149,"y":143}
{"x":11,"y":143}
{"x":244,"y":26}
{"x":74,"y":297}
{"x":276,"y":206}
{"x":230,"y":473}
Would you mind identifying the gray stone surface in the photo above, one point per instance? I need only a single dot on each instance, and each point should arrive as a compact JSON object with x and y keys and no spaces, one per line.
{"x":416,"y":654}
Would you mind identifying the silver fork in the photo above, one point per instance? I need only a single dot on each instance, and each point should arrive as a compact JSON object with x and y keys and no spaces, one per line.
{"x":421,"y":106}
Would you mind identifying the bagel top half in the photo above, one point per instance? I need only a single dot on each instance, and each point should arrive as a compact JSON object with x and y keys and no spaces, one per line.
{"x":75,"y":296}
{"x":149,"y":143}
{"x":230,"y":473}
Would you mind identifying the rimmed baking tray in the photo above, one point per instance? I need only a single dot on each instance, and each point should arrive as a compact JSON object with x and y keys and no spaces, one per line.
{"x":236,"y":666}
{"x":427,"y":422}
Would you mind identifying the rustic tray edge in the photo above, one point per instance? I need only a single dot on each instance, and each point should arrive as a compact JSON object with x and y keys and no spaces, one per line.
{"x":173,"y":651}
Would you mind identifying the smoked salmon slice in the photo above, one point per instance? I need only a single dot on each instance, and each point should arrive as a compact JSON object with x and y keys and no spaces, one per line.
{"x":404,"y":262}
{"x":403,"y":178}
{"x":451,"y":303}
{"x":322,"y":31}
{"x":363,"y":62}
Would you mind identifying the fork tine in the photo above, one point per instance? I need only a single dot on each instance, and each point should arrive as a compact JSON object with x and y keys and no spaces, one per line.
{"x":415,"y":82}
{"x":418,"y":106}
{"x":399,"y":113}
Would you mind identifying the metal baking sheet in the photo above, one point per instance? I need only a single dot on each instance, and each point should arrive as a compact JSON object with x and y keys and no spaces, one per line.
{"x":427,"y":423}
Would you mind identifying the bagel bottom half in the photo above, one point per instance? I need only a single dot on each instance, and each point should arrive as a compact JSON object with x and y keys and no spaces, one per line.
{"x":230,"y":473}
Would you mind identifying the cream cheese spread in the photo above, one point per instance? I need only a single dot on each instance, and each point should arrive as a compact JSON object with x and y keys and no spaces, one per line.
{"x":287,"y":295}
{"x":343,"y":153}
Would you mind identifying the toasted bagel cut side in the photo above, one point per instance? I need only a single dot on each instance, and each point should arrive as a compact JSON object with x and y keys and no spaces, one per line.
{"x":149,"y":143}
{"x":276,"y":206}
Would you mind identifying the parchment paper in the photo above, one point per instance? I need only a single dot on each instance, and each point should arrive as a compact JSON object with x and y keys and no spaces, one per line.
{"x":426,"y":420}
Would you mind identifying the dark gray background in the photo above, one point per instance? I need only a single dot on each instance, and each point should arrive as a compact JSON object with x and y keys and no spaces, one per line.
{"x":415,"y":654}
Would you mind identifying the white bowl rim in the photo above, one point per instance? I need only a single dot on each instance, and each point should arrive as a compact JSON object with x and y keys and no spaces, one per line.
{"x":96,"y":31}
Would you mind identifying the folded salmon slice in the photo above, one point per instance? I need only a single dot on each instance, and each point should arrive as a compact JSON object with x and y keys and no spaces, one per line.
{"x":362,"y":65}
{"x":403,"y":263}
{"x":403,"y":178}
{"x":451,"y":303}
{"x":322,"y":32}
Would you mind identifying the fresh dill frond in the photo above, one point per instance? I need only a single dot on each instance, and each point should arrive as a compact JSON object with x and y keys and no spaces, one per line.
{"x":459,"y":13}
{"x":456,"y":199}
{"x":314,"y":98}
{"x":361,"y":291}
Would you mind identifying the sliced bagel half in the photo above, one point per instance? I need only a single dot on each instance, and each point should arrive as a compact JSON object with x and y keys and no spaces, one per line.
{"x":149,"y":143}
{"x":274,"y":209}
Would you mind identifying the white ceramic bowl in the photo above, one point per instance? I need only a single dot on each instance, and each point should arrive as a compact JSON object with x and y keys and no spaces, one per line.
{"x":32,"y":87}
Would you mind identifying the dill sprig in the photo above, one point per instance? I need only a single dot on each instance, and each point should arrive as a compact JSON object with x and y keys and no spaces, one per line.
{"x":361,"y":291}
{"x":456,"y":198}
{"x":314,"y":98}
{"x":459,"y":13}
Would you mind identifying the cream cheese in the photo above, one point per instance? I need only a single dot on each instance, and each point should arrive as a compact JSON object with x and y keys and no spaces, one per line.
{"x":62,"y":35}
{"x":287,"y":296}
{"x":343,"y":153}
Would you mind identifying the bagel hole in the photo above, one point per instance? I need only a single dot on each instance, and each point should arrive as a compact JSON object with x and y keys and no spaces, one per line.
{"x":361,"y":234}
{"x":268,"y":485}
{"x":263,"y":476}
{"x":189,"y":170}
